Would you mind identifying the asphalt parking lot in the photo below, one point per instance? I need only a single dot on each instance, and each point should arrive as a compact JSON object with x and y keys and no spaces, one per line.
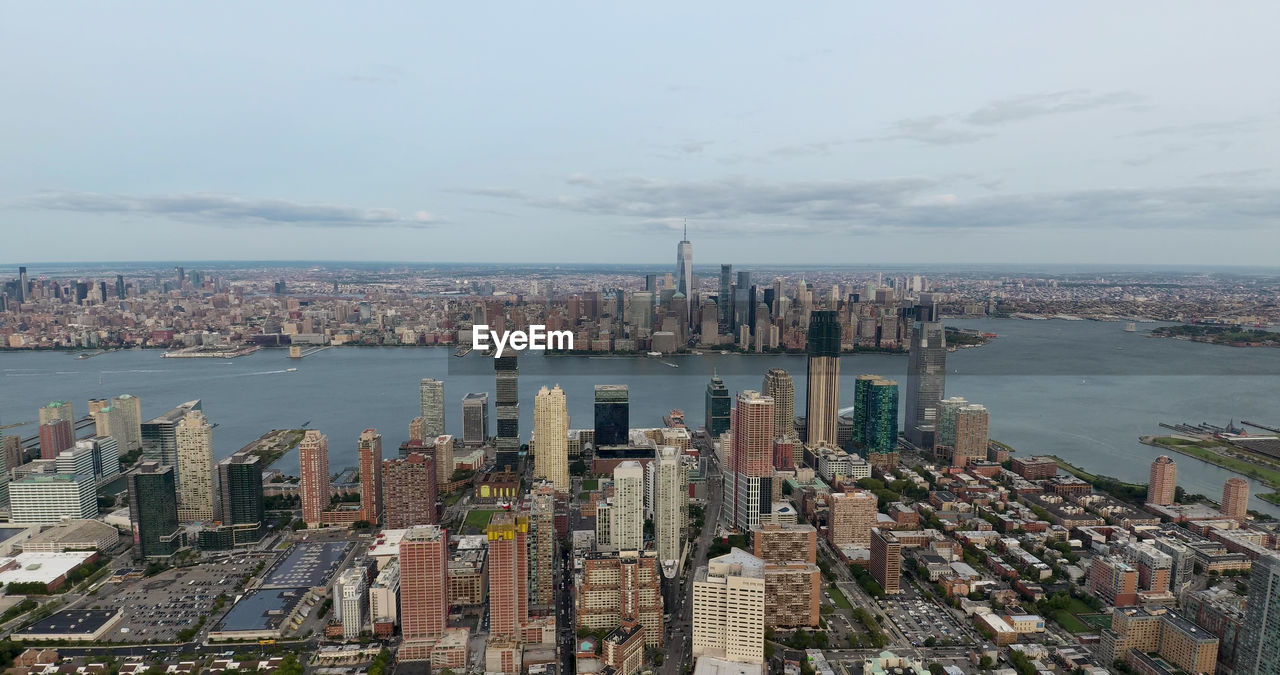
{"x":920,"y":618}
{"x":157,"y":608}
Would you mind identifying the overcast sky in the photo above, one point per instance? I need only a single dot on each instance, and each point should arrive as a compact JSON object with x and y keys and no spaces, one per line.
{"x":823,"y":132}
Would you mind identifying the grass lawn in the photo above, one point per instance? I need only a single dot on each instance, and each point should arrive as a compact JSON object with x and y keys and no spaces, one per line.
{"x":1273,"y":497}
{"x":1267,"y":475}
{"x":837,"y":597}
{"x":478,"y":518}
{"x":1098,"y":621}
{"x":1070,"y":623}
{"x":590,"y":484}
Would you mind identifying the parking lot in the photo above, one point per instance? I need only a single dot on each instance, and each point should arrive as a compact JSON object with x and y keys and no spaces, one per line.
{"x":920,"y":619}
{"x":157,"y":608}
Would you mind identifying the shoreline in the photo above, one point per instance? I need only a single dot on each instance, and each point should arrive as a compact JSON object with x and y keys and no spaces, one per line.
{"x":1266,"y":473}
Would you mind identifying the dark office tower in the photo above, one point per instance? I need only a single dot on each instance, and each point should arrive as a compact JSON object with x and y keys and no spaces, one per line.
{"x":281,"y":288}
{"x":743,"y":302}
{"x":651,"y":283}
{"x":822,"y":402}
{"x":875,"y":416}
{"x":475,"y":418}
{"x":23,"y":287}
{"x":153,"y":511}
{"x":776,"y":305}
{"x":56,"y":436}
{"x":926,"y":382}
{"x":1259,"y":643}
{"x":725,"y":300}
{"x":718,"y":410}
{"x":181,"y":274}
{"x":240,"y":503}
{"x":612,"y":414}
{"x":507,"y":407}
{"x":160,"y":437}
{"x":684,"y":269}
{"x":409,"y":488}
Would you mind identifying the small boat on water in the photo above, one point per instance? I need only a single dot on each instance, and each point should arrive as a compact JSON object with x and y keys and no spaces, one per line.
{"x":655,"y":353}
{"x":290,"y":370}
{"x":1131,"y":327}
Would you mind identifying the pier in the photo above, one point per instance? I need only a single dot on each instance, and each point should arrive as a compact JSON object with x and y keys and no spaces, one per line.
{"x":298,"y":352}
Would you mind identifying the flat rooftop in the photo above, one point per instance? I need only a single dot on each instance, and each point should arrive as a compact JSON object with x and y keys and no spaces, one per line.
{"x":308,"y":565}
{"x":42,"y":567}
{"x":262,"y":610}
{"x":71,"y":622}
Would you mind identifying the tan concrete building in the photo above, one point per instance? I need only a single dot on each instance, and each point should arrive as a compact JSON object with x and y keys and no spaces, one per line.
{"x":791,"y":592}
{"x":616,"y":586}
{"x":783,"y":543}
{"x":852,"y":517}
{"x":1163,"y":481}
{"x":551,"y":430}
{"x":729,"y":608}
{"x":195,"y":467}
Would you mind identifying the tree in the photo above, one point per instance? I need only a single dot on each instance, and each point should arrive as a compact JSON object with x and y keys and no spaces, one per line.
{"x":290,"y":665}
{"x":936,"y":668}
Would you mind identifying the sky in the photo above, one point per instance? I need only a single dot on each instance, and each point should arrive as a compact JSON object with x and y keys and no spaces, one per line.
{"x":852,"y":133}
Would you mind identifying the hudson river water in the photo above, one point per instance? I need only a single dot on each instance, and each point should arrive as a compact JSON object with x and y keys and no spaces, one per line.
{"x":1079,"y":389}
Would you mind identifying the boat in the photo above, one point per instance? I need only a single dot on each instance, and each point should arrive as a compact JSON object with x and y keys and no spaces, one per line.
{"x":1131,"y":327}
{"x":290,"y":370}
{"x":655,"y":353}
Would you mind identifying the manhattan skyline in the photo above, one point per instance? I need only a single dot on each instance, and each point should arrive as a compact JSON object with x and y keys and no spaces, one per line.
{"x":843,"y":135}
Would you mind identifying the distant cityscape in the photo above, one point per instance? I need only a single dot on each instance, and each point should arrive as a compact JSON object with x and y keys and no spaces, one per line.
{"x":770,"y":531}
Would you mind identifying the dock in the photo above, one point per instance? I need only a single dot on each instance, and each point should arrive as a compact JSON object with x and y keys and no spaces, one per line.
{"x":297,"y":352}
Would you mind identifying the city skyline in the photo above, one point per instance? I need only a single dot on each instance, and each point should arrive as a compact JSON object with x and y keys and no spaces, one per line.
{"x":307,"y":156}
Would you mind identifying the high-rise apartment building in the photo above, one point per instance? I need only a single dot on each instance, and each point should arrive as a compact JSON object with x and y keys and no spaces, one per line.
{"x":626,"y":516}
{"x":313,"y":461}
{"x":670,"y":507}
{"x":728,"y":613}
{"x":792,"y":592}
{"x":822,"y":402}
{"x":153,"y":511}
{"x":886,"y":560}
{"x":475,"y":418}
{"x":542,"y":548}
{"x":1235,"y":498}
{"x":775,"y":543}
{"x":50,"y":498}
{"x":926,"y":382}
{"x":241,"y":506}
{"x":56,"y":435}
{"x":194,"y":439}
{"x":369,"y":451}
{"x":431,"y":398}
{"x":751,"y":460}
{"x":98,"y":456}
{"x":507,"y":409}
{"x":779,"y":386}
{"x":58,"y":410}
{"x":551,"y":431}
{"x":1259,"y":646}
{"x":718,"y":406}
{"x":962,"y":431}
{"x":160,"y":437}
{"x":508,"y":575}
{"x":409,"y":489}
{"x":444,"y":459}
{"x":350,"y":602}
{"x":612,"y":404}
{"x":126,"y":422}
{"x":424,"y":583}
{"x":619,"y":586}
{"x":852,"y":517}
{"x":1164,"y":481}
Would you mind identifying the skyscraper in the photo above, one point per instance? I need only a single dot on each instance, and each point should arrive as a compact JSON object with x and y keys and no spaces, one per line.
{"x":670,"y":504}
{"x":542,"y":548}
{"x":684,"y":268}
{"x":612,"y":402}
{"x":313,"y":460}
{"x":409,"y":487}
{"x":551,"y":431}
{"x":728,"y":608}
{"x":744,"y":302}
{"x":369,"y":449}
{"x":159,"y":437}
{"x":475,"y":418}
{"x":424,"y":582}
{"x":926,"y":382}
{"x":508,"y":574}
{"x":751,"y":460}
{"x":779,"y":386}
{"x":822,"y":402}
{"x":153,"y":511}
{"x":626,"y":517}
{"x":241,"y":505}
{"x":886,"y":560}
{"x":55,"y":436}
{"x":875,"y":416}
{"x":23,"y":285}
{"x":1164,"y":481}
{"x":724,"y":300}
{"x":431,"y":397}
{"x":1235,"y":498}
{"x":1259,"y":644}
{"x":718,"y":407}
{"x":128,"y":411}
{"x":194,"y":438}
{"x":962,"y":430}
{"x":852,"y":517}
{"x":444,"y":459}
{"x":507,"y":409}
{"x":58,"y":410}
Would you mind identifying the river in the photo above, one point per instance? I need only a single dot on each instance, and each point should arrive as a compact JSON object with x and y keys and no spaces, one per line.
{"x":1082,"y":390}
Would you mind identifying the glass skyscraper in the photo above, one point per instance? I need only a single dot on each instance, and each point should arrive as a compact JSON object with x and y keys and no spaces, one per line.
{"x":153,"y":511}
{"x":926,"y":382}
{"x":612,"y":414}
{"x":717,"y":407}
{"x":876,"y":414}
{"x":1259,"y":648}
